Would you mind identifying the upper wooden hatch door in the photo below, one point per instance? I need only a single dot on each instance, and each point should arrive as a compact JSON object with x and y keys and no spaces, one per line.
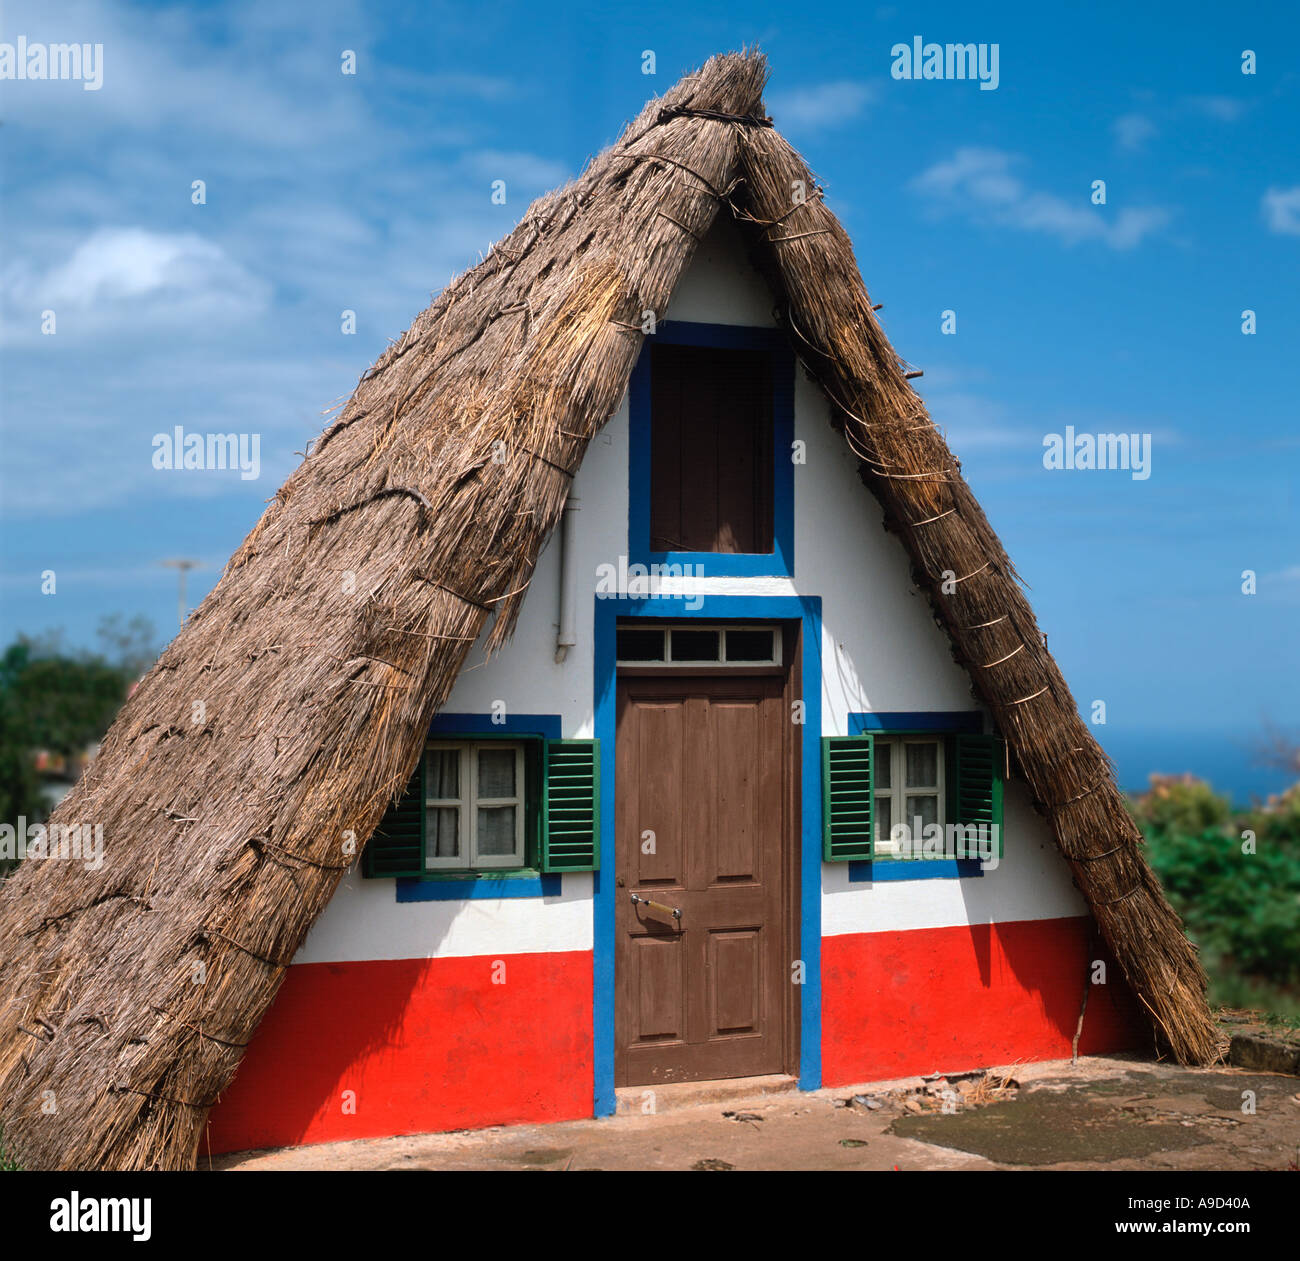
{"x":700,"y":830}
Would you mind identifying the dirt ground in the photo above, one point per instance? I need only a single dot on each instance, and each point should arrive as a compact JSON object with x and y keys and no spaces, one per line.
{"x":1103,"y":1113}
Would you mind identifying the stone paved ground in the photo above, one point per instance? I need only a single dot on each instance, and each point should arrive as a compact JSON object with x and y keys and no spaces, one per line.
{"x":1114,"y":1113}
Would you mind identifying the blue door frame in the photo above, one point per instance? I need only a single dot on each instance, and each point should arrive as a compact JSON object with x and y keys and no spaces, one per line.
{"x":808,"y":611}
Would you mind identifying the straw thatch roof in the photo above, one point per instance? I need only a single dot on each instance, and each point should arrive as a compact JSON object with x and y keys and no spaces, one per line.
{"x":294,"y":703}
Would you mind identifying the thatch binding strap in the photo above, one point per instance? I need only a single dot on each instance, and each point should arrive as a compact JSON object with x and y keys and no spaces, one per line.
{"x":262,"y":844}
{"x":683,"y":111}
{"x":1047,"y":687}
{"x":388,"y":493}
{"x":720,"y":194}
{"x":50,"y":920}
{"x":1092,"y":788}
{"x":196,"y":1030}
{"x":559,"y":468}
{"x":248,"y":950}
{"x":118,"y":1088}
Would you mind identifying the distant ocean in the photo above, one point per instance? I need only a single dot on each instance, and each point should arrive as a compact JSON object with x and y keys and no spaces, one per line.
{"x":1228,"y":760}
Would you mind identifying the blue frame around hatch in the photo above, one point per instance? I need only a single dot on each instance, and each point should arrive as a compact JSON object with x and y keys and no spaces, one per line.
{"x":808,"y":611}
{"x":779,"y":562}
{"x":889,"y":869}
{"x":508,"y":884}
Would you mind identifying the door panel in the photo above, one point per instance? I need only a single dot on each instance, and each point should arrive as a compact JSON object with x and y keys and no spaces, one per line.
{"x":735,"y":981}
{"x":660,"y":749}
{"x":700,"y":827}
{"x":658,"y":981}
{"x":736,"y":852}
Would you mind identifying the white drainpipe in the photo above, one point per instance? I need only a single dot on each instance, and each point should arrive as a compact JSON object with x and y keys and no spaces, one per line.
{"x":568,"y":635}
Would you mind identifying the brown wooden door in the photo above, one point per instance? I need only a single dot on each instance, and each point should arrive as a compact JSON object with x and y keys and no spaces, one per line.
{"x":700,"y":827}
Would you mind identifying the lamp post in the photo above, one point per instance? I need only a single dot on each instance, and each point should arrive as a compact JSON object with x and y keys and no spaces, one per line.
{"x":182,"y":565}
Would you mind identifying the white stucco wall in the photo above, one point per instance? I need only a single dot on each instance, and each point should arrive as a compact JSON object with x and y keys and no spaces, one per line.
{"x":881,"y":651}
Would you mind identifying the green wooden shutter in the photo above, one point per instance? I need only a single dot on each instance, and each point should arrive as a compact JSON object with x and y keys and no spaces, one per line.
{"x":975,"y":779}
{"x":571,"y":806}
{"x":847,"y":803}
{"x":397,"y":847}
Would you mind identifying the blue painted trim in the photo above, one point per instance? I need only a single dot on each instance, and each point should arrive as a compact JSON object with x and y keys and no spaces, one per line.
{"x":807,"y":609}
{"x":889,"y":869}
{"x":468,"y":888}
{"x":780,"y":561}
{"x":726,"y":336}
{"x":934,"y":720}
{"x":913,"y":869}
{"x":547,"y":725}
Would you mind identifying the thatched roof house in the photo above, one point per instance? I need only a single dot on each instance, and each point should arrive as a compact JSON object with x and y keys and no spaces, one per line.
{"x":260,"y":753}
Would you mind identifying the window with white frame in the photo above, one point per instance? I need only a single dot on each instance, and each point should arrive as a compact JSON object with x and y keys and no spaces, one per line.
{"x":909,"y":785}
{"x":474,"y":805}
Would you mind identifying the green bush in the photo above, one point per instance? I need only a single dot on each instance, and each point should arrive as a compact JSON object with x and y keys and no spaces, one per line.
{"x":1182,"y":804}
{"x":1241,"y":908}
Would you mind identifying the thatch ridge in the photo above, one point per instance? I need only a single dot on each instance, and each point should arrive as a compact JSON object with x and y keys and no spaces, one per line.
{"x":263,"y":747}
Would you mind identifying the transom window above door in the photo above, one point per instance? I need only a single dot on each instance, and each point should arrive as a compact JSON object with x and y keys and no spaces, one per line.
{"x":695,"y":645}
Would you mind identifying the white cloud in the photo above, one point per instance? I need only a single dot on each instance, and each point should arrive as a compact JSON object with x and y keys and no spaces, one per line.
{"x":153,"y":275}
{"x":825,"y":105}
{"x":1133,"y":223}
{"x":1281,"y":207}
{"x":162,"y":71}
{"x":972,"y":420}
{"x":1132,"y":131}
{"x":1225,"y":108}
{"x":133,"y":262}
{"x":980,"y":183}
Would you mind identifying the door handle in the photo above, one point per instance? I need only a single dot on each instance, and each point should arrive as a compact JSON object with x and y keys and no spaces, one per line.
{"x":674,"y":911}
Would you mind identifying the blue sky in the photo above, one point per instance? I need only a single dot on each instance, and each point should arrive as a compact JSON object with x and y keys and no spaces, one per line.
{"x":328,"y":192}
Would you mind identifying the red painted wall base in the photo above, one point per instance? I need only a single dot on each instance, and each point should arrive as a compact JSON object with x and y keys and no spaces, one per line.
{"x":422,"y":1044}
{"x":950,"y":999}
{"x":363,"y":1050}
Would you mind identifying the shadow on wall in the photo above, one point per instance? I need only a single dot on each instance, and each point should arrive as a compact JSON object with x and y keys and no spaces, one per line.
{"x":952,"y":999}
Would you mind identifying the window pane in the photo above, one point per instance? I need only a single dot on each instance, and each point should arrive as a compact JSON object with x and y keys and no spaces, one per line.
{"x":749,"y":645}
{"x":884,"y":764}
{"x":640,"y":645}
{"x":695,"y":645}
{"x":922,"y":765}
{"x":442,"y":774}
{"x":496,"y":831}
{"x":926,"y":807}
{"x":884,"y":813}
{"x":442,"y":832}
{"x":496,"y":772}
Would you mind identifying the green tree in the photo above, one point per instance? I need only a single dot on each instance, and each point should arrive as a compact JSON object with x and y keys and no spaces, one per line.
{"x":61,"y":700}
{"x":20,"y":787}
